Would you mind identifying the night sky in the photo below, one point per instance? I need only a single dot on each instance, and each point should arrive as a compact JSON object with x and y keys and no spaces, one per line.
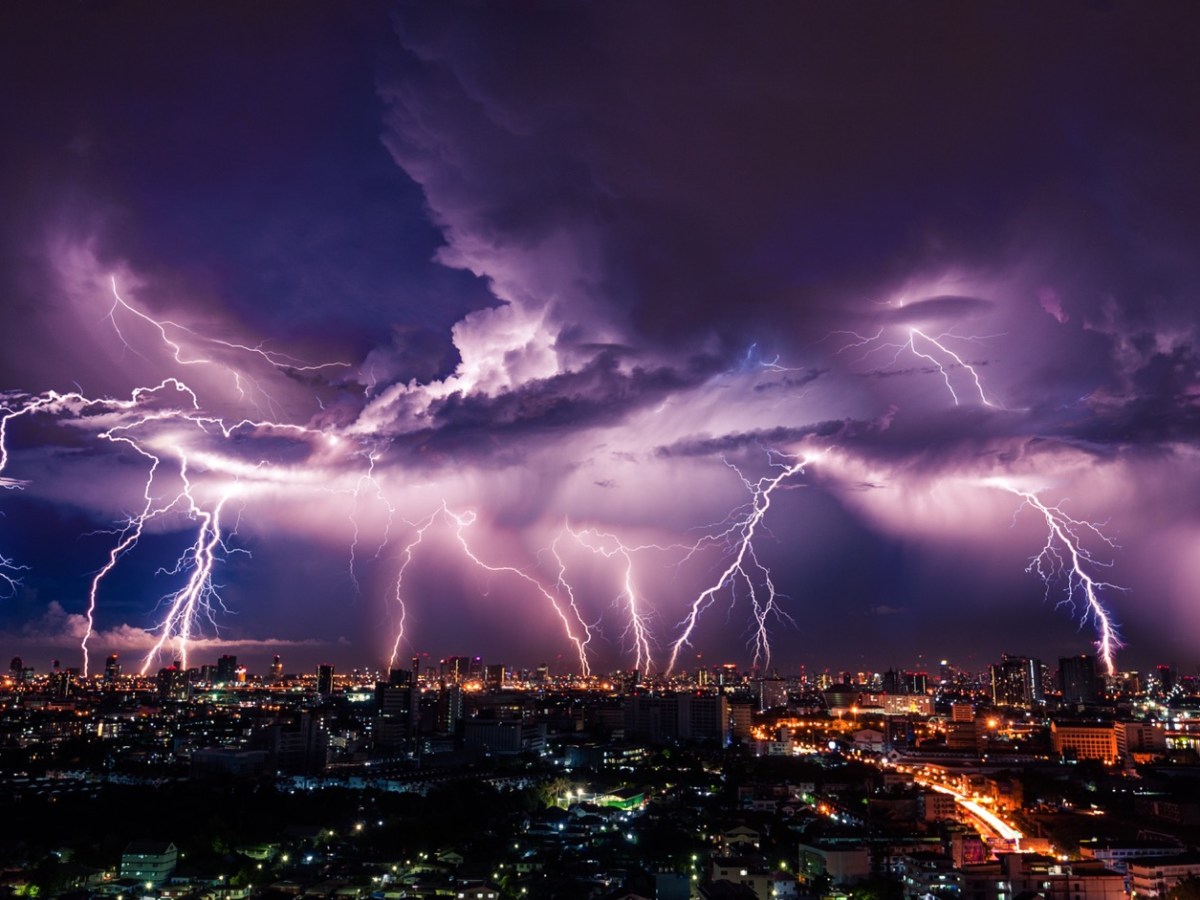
{"x":569,"y":332}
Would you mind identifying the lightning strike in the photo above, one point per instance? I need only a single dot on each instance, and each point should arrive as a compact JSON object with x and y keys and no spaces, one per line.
{"x":578,"y":634}
{"x":148,"y":424}
{"x":637,"y":631}
{"x":744,"y":569}
{"x":10,"y":577}
{"x":935,"y":351}
{"x":1065,"y":559}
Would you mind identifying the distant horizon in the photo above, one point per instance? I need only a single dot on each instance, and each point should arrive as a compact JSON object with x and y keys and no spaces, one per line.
{"x":257,"y":664}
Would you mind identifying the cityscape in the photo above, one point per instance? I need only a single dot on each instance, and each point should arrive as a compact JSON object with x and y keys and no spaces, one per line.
{"x":599,"y":450}
{"x":467,"y":778}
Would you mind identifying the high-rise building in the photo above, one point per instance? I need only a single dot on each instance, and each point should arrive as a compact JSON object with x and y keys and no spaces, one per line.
{"x":449,"y":708}
{"x":62,"y":682}
{"x":495,"y":676}
{"x":276,"y":670}
{"x":456,"y":669}
{"x":226,"y":670}
{"x":1017,"y":681}
{"x":916,"y":682}
{"x":398,"y":703}
{"x":1077,"y":679}
{"x":678,"y":717}
{"x":173,"y":683}
{"x":1164,"y":680}
{"x":772,"y":694}
{"x":325,"y":680}
{"x":727,"y":675}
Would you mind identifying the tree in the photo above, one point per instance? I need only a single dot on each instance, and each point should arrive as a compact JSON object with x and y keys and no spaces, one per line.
{"x":1186,"y":889}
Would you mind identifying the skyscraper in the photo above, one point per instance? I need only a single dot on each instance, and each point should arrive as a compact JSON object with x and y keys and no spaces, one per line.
{"x":325,"y":680}
{"x":399,"y":710}
{"x":226,"y":669}
{"x":1017,"y":681}
{"x":112,"y":669}
{"x":1077,"y":679}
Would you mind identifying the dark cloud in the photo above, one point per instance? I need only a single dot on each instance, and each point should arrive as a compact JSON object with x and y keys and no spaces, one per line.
{"x":724,"y":167}
{"x":601,"y":393}
{"x":577,"y":254}
{"x":763,"y":440}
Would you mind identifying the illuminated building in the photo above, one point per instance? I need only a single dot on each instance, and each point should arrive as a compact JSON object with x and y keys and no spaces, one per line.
{"x":1141,"y":741}
{"x":1164,"y":678}
{"x":772,"y":694}
{"x":1017,"y":874}
{"x":1017,"y":681}
{"x":276,"y":670}
{"x":916,"y":682}
{"x":1090,"y":740}
{"x":299,"y":747}
{"x":1155,"y":876}
{"x":150,"y":862}
{"x":495,"y":674}
{"x":456,"y":669}
{"x":399,"y":710}
{"x":112,"y":669}
{"x":449,"y":708}
{"x":173,"y":683}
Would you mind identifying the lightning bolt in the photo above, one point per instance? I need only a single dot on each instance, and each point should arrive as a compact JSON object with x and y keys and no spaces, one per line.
{"x":166,"y":328}
{"x":1065,"y":559}
{"x":609,"y":546}
{"x":931,"y":348}
{"x":366,"y":479}
{"x":744,"y":568}
{"x":148,"y":424}
{"x":10,"y":577}
{"x":576,"y":628}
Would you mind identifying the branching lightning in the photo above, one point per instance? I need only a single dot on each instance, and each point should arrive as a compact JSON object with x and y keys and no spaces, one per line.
{"x":638,"y":629}
{"x":925,"y":346}
{"x":10,"y":577}
{"x":153,"y":425}
{"x":1064,"y":559}
{"x":167,"y":428}
{"x":577,"y":630}
{"x":744,"y":568}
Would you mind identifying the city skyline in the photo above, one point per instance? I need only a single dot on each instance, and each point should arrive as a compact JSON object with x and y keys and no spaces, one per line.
{"x":607,"y":337}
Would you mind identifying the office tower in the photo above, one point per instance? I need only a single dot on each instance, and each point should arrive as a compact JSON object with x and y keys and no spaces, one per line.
{"x":495,"y":676}
{"x":772,"y":694}
{"x":325,"y":680}
{"x":449,"y":708}
{"x":1077,"y":679}
{"x":226,"y":670}
{"x":173,"y":683}
{"x":112,"y":669}
{"x":1165,"y":680}
{"x":916,"y":683}
{"x":276,"y":670}
{"x":398,"y":704}
{"x":1017,"y":681}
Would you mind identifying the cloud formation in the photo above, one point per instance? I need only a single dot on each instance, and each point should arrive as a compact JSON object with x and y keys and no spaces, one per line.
{"x":615,"y":265}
